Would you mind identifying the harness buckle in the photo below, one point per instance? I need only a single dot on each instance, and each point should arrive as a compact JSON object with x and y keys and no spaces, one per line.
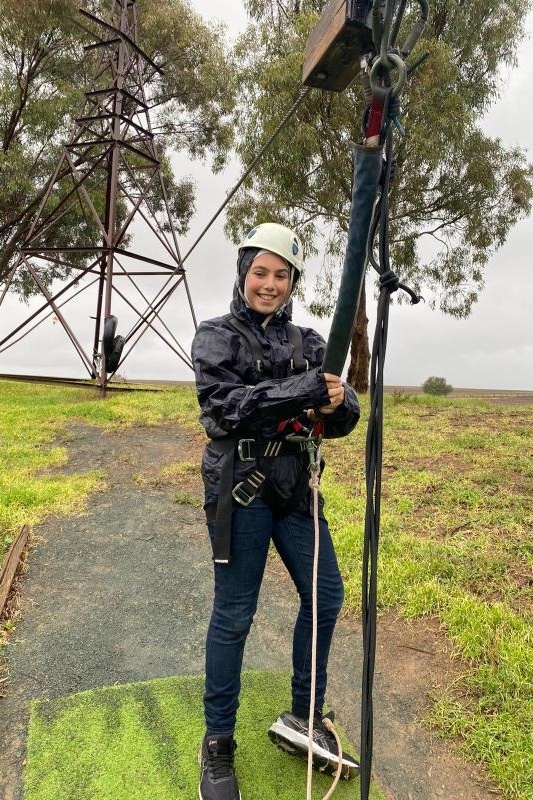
{"x":242,"y":497}
{"x":246,"y":490}
{"x":244,"y":449}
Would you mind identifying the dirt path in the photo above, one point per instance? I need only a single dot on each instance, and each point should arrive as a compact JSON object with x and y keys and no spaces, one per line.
{"x":123,"y":594}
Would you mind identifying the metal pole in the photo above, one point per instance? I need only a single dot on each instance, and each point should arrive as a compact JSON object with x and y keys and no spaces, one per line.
{"x":112,"y":186}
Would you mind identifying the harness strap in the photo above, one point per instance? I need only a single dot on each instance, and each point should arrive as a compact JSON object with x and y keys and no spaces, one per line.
{"x":222,"y":541}
{"x":252,"y":449}
{"x":262,"y":363}
{"x":300,"y":363}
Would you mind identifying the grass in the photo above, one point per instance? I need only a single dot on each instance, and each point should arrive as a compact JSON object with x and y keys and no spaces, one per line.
{"x":140,"y":741}
{"x":456,"y":545}
{"x":183,"y":476}
{"x":185,"y":498}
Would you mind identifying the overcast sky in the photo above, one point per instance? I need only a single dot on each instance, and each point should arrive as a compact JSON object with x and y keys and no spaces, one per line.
{"x":492,"y":349}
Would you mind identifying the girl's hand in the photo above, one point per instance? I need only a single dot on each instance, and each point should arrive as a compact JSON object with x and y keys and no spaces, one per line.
{"x":335,"y":391}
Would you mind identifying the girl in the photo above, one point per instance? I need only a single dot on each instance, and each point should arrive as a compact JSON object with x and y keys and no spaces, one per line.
{"x":259,"y":381}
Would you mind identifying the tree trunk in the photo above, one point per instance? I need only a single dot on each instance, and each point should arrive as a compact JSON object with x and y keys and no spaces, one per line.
{"x":360,"y":351}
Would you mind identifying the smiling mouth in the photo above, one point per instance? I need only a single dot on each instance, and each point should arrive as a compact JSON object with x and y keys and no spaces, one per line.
{"x":267,"y":298}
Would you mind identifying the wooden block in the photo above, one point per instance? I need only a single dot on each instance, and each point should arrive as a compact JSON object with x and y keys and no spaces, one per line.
{"x":336,"y":44}
{"x":324,"y":34}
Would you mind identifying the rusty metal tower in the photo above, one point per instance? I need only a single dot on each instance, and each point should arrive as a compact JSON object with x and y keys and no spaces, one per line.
{"x":110,"y":177}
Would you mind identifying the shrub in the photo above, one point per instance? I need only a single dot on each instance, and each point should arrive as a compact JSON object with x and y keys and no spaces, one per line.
{"x":436,"y":386}
{"x":399,"y":396}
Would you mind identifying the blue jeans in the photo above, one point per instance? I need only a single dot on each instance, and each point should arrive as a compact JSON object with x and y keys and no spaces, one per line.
{"x":237,"y":587}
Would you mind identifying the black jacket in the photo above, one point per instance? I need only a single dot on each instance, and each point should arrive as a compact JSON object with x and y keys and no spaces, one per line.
{"x":237,"y":401}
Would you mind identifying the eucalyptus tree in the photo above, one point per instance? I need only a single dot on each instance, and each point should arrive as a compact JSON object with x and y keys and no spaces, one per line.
{"x":43,"y":74}
{"x":457,"y":191}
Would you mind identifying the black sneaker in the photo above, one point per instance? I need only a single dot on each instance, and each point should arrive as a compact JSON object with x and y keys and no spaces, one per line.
{"x":217,"y":779}
{"x":291,"y":733}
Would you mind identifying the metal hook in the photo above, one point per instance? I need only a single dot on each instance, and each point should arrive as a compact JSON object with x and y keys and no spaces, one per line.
{"x":399,"y":63}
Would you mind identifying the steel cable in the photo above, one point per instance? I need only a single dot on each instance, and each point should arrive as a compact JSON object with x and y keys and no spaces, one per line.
{"x":303,"y":94}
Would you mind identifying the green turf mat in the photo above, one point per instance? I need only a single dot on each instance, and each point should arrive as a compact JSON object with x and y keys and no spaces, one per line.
{"x":140,"y":742}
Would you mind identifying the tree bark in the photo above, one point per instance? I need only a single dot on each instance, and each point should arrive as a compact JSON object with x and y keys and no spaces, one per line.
{"x":360,"y":350}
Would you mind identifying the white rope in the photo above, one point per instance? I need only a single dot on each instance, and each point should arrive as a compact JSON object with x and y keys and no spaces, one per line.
{"x":329,"y":725}
{"x":314,"y":483}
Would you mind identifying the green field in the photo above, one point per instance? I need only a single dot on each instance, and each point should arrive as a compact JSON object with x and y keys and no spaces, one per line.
{"x":456,"y":544}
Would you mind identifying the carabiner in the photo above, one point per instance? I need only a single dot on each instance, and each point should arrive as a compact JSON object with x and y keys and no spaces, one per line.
{"x":416,"y":30}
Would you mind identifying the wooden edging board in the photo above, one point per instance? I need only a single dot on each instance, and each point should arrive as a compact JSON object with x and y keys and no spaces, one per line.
{"x":11,"y":564}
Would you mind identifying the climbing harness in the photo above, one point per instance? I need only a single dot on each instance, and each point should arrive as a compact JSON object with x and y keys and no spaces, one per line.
{"x":257,"y":449}
{"x":249,"y":450}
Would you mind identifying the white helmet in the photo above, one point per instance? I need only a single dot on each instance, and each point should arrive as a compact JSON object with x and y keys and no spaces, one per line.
{"x":277,"y":239}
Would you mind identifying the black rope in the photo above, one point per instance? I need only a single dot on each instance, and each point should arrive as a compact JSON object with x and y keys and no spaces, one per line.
{"x":374,"y":449}
{"x":388,"y":283}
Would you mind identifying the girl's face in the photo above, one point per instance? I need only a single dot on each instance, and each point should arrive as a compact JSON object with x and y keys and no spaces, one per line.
{"x":267,"y":283}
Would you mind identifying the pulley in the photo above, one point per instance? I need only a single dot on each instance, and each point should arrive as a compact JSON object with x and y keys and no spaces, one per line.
{"x":337,"y":43}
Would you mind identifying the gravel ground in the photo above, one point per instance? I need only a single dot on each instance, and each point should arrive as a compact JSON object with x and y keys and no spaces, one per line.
{"x":123,"y":594}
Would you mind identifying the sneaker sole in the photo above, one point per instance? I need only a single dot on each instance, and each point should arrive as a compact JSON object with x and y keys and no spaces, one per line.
{"x":296,"y":744}
{"x":200,"y":795}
